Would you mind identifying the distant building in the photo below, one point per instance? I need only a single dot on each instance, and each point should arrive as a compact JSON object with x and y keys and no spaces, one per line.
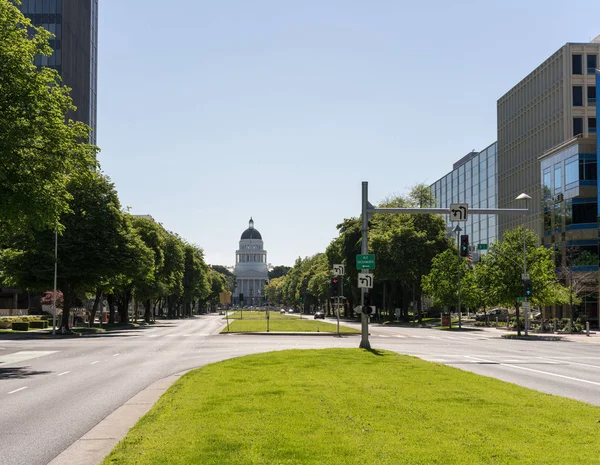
{"x":74,"y":24}
{"x":250,"y":270}
{"x":473,"y":180}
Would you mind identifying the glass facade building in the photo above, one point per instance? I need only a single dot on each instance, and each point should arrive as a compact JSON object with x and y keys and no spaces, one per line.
{"x":473,"y":181}
{"x":74,"y":24}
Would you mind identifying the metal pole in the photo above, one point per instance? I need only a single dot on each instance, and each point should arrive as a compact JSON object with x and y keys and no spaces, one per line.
{"x":524,"y":274}
{"x":459,"y":312}
{"x":55,"y":275}
{"x":338,"y":308}
{"x":364,"y":341}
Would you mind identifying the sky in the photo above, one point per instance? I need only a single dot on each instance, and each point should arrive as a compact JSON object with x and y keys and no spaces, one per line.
{"x":212,"y":112}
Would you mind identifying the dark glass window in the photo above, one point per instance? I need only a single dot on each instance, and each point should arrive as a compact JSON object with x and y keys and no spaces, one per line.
{"x":577,"y":96}
{"x":584,"y":255}
{"x":592,"y":92}
{"x":577,"y":64}
{"x":577,"y":126}
{"x":547,"y":221}
{"x":585,"y":212}
{"x":547,"y":183}
{"x":568,"y":212}
{"x":571,"y":170}
{"x":591,"y":64}
{"x":558,"y":217}
{"x":588,"y":170}
{"x":592,"y":124}
{"x":558,"y":254}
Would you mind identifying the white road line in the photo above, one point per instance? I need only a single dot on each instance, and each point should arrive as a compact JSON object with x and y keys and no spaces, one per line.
{"x":97,"y":361}
{"x":570,"y":363}
{"x":17,"y":390}
{"x":114,"y":355}
{"x":537,"y":371}
{"x":63,"y":373}
{"x":152,"y":335}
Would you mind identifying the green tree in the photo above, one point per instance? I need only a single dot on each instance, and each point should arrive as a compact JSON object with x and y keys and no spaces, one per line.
{"x":39,"y":147}
{"x":278,"y":271}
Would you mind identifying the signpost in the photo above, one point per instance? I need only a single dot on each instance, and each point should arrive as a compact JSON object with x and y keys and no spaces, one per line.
{"x":339,"y":270}
{"x":458,"y":211}
{"x":365,"y":280}
{"x":365,"y":262}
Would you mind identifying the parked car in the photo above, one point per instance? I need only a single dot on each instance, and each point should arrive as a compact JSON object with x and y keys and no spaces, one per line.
{"x":320,"y":315}
{"x":500,"y":313}
{"x":282,"y":310}
{"x":290,"y":310}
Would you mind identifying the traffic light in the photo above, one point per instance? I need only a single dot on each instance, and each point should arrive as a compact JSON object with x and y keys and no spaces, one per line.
{"x":528,"y":287}
{"x":368,"y":298}
{"x":335,"y":287}
{"x":464,"y":245}
{"x":301,"y":299}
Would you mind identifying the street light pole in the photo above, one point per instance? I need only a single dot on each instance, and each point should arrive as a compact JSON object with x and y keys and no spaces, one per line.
{"x":525,"y":310}
{"x":457,"y":230}
{"x":364,"y":249}
{"x":55,"y":275}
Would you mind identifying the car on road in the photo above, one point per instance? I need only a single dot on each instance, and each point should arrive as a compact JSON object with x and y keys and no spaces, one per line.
{"x":290,"y":310}
{"x":282,"y":311}
{"x":499,"y":312}
{"x":320,"y":315}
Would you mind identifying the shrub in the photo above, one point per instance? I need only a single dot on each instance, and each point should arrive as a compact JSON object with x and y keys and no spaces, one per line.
{"x":39,"y":324}
{"x":5,"y":324}
{"x":20,"y":326}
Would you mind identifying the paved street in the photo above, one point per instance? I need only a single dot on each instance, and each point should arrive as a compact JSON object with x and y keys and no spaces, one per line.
{"x":54,"y":391}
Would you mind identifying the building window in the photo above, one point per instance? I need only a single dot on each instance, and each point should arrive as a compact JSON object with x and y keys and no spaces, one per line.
{"x":577,"y":126}
{"x":585,"y":212}
{"x":577,"y":96}
{"x":547,"y":183}
{"x":571,"y":170}
{"x":591,"y":124}
{"x":568,"y":212}
{"x":577,"y":64}
{"x":591,"y":64}
{"x":588,"y":170}
{"x":591,"y":94}
{"x":557,"y":177}
{"x":547,"y":222}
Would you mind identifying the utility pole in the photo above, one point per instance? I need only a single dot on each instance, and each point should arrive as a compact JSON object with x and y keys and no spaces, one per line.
{"x":458,"y":229}
{"x":364,"y":249}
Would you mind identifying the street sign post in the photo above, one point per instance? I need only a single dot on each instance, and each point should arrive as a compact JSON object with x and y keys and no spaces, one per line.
{"x":339,"y":270}
{"x":365,"y":262}
{"x":482,"y":246}
{"x":458,"y":211}
{"x":365,"y":280}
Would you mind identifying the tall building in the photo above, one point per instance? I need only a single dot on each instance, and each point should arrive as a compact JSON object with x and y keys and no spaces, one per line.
{"x":473,"y":181}
{"x":554,"y":103}
{"x":74,"y":24}
{"x":251,"y":269}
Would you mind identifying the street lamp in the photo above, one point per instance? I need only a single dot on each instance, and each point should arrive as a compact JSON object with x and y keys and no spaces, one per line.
{"x":525,"y":277}
{"x":457,"y":230}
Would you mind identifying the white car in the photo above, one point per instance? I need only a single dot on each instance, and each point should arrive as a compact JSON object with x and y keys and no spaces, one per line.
{"x":282,"y":310}
{"x":290,"y":310}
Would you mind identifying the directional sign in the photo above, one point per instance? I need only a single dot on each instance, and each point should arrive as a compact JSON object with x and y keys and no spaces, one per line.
{"x":339,"y":270}
{"x":458,"y":211}
{"x":365,"y":280}
{"x":365,"y":262}
{"x":482,"y":246}
{"x":526,"y":306}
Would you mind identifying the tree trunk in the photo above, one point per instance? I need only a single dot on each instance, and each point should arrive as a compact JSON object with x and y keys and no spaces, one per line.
{"x":517,"y":322}
{"x":95,"y":307}
{"x":111,"y":308}
{"x":67,"y":299}
{"x":419,"y":308}
{"x":123,"y":307}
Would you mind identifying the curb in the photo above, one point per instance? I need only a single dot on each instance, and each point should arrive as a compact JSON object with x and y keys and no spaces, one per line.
{"x":97,"y":443}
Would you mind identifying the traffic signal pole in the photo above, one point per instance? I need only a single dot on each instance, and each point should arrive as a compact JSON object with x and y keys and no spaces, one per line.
{"x":364,"y":249}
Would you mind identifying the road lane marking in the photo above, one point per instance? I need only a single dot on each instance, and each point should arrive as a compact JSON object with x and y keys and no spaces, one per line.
{"x":570,"y":363}
{"x":63,"y":373}
{"x":25,"y":355}
{"x":17,"y":390}
{"x":114,"y":355}
{"x":536,"y":371}
{"x":94,"y":362}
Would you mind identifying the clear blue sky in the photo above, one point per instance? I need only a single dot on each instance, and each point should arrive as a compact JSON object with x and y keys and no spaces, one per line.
{"x":210,"y":112}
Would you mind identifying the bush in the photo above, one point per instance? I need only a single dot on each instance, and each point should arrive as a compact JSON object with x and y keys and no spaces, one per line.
{"x":20,"y":326}
{"x":513,"y":323}
{"x":39,"y":324}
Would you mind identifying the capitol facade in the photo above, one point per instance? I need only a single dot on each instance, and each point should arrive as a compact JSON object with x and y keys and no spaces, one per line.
{"x":251,"y":269}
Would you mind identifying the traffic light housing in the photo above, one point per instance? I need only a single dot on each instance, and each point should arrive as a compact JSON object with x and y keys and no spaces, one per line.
{"x":464,"y":245}
{"x":301,"y":299}
{"x":335,"y":287}
{"x":528,"y":288}
{"x":367,"y":298}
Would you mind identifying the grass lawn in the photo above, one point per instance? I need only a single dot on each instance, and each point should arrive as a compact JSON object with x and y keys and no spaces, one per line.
{"x":281,"y":325}
{"x":355,"y":407}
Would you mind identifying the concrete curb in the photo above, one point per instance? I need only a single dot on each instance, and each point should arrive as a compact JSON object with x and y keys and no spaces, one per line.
{"x":96,"y":444}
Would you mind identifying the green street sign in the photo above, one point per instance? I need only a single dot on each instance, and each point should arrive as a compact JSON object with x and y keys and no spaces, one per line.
{"x":520,"y":299}
{"x":482,"y":246}
{"x":365,"y":262}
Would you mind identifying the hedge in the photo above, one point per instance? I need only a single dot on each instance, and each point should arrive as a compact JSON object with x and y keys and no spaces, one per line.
{"x":20,"y":326}
{"x":40,"y":324}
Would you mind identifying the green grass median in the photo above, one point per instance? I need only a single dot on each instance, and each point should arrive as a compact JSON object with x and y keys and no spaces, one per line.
{"x":251,"y":322}
{"x":355,"y":407}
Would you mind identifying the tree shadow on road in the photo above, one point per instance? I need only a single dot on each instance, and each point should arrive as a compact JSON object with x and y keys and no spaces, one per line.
{"x":19,"y":373}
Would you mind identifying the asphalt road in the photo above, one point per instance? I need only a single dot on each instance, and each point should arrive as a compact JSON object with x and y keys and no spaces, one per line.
{"x":55,"y":390}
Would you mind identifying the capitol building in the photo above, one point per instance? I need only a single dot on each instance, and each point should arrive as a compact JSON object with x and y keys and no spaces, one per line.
{"x":251,"y":268}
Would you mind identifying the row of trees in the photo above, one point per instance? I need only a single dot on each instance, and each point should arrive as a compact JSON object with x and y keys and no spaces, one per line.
{"x":415,"y":257}
{"x":51,"y":184}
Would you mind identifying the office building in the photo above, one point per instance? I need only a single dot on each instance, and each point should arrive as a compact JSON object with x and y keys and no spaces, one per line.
{"x":554,"y":103}
{"x":74,"y":24}
{"x":473,"y":180}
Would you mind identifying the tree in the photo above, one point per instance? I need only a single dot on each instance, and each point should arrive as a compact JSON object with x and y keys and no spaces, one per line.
{"x":578,"y":283}
{"x":501,"y":276}
{"x":39,"y":148}
{"x":278,"y":271}
{"x":96,"y":245}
